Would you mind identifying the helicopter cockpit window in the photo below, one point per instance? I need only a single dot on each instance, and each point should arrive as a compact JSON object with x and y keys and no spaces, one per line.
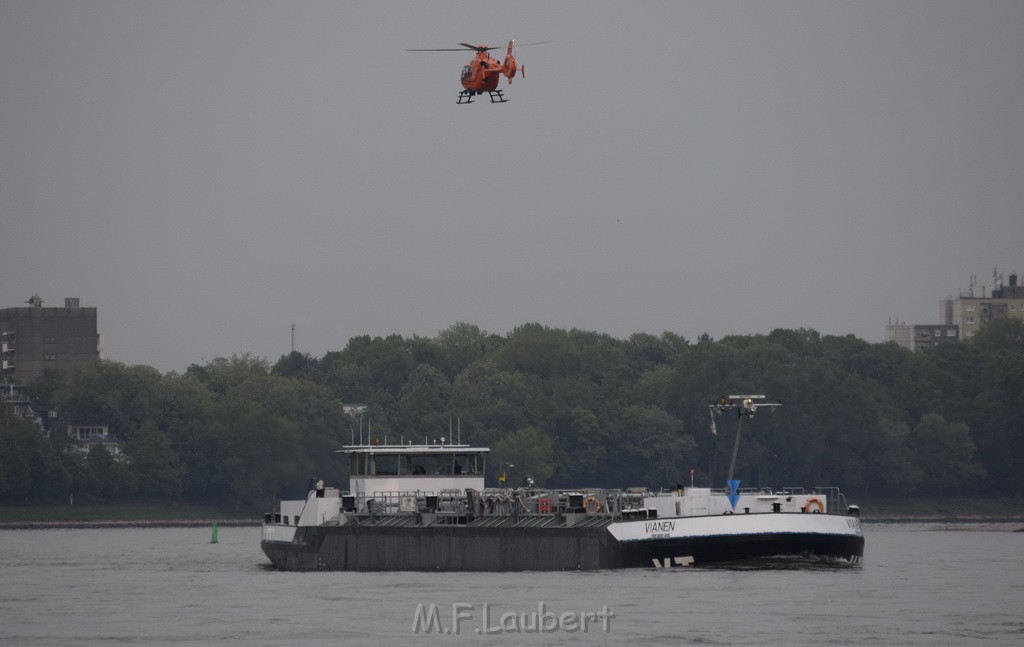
{"x":467,"y":72}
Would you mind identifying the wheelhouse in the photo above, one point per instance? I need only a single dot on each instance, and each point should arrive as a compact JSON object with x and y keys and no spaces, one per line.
{"x":415,"y":468}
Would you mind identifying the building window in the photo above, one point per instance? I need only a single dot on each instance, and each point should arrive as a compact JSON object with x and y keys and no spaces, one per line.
{"x":951,"y":333}
{"x":87,"y":433}
{"x":49,"y":340}
{"x":970,"y":320}
{"x":937,"y":332}
{"x":970,"y":308}
{"x":50,"y":357}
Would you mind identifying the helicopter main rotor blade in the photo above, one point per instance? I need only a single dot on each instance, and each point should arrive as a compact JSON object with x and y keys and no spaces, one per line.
{"x":478,"y":48}
{"x":543,"y":42}
{"x":475,"y":48}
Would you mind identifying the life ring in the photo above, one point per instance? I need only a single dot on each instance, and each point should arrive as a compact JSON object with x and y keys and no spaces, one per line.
{"x":816,"y":503}
{"x":592,"y":505}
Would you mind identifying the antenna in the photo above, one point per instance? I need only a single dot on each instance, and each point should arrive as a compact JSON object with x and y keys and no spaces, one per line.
{"x":293,"y":338}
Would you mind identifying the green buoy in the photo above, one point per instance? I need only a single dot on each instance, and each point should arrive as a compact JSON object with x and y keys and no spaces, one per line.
{"x":213,"y":533}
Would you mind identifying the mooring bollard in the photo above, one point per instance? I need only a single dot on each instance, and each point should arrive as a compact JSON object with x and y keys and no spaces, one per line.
{"x":213,"y":533}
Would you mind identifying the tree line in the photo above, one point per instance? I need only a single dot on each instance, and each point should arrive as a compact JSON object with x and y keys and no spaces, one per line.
{"x":569,"y":408}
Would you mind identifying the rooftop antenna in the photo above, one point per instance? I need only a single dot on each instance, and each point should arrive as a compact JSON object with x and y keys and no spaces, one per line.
{"x":293,"y":338}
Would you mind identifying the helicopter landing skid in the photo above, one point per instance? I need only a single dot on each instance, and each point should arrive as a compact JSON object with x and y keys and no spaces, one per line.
{"x":466,"y":96}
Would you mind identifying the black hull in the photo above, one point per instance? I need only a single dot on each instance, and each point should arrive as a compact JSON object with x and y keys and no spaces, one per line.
{"x":455,"y":548}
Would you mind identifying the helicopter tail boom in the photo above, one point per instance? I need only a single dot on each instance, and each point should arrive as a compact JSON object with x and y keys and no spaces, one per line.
{"x":508,"y":67}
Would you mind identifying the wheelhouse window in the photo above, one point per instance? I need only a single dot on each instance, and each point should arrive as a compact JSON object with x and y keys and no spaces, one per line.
{"x":385,"y":465}
{"x":373,"y":464}
{"x":413,"y":464}
{"x":472,"y":464}
{"x":431,"y":464}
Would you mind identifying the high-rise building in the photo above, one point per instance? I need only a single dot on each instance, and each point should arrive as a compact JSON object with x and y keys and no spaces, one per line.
{"x":973,"y":313}
{"x":963,"y":317}
{"x":34,"y":338}
{"x":920,"y":336}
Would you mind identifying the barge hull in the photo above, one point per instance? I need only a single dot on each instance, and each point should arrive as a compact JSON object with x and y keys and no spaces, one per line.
{"x":374,"y":548}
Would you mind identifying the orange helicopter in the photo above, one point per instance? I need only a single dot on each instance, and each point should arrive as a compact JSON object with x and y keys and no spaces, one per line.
{"x":483,"y":72}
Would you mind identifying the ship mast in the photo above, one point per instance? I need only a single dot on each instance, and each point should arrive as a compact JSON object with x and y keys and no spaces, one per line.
{"x":746,"y":406}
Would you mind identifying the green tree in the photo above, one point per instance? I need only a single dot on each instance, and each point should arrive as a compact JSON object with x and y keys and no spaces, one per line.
{"x":222,"y":373}
{"x":944,"y":453}
{"x":29,"y":468}
{"x":461,"y":344}
{"x":113,"y":478}
{"x":997,"y":405}
{"x":587,"y":448}
{"x":383,"y":366}
{"x":495,"y":402}
{"x":316,"y":414}
{"x":654,"y":449}
{"x":81,"y":480}
{"x":155,"y":466}
{"x":257,"y":452}
{"x":423,"y":405}
{"x":530,"y":450}
{"x":112,"y":394}
{"x":612,"y":412}
{"x":540,"y":351}
{"x":296,"y":364}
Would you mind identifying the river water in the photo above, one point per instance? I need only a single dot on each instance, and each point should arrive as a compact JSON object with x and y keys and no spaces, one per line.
{"x":921,"y":584}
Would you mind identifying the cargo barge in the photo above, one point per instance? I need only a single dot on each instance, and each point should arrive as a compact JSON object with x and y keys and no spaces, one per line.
{"x":425,"y":507}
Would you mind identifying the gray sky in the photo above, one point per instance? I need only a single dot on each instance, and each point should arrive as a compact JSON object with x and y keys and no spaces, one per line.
{"x":208,"y":173}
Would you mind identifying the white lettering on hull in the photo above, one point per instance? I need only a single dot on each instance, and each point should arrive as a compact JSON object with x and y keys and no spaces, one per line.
{"x":659,"y":529}
{"x":685,"y":560}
